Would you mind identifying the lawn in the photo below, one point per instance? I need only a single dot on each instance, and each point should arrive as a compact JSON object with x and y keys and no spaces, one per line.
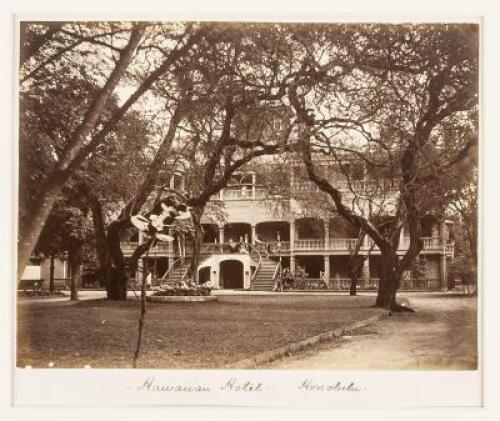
{"x":177,"y":335}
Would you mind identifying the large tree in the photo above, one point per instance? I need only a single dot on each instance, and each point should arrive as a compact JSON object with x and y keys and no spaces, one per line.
{"x":220,"y":98}
{"x":103,"y":181}
{"x":392,"y":99}
{"x":107,"y":55}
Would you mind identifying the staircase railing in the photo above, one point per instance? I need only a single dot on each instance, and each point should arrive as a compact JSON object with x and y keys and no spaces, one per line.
{"x":184,"y":274}
{"x":276,"y":273}
{"x":252,"y":279}
{"x":167,"y":272}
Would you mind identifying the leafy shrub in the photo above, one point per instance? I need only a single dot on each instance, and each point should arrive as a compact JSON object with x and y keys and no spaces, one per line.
{"x":182,"y":290}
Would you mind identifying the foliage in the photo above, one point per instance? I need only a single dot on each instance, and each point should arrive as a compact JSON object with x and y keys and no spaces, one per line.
{"x":463,"y":268}
{"x":413,"y":118}
{"x":118,"y":107}
{"x":67,"y":228}
{"x":419,"y":268}
{"x":180,"y":290}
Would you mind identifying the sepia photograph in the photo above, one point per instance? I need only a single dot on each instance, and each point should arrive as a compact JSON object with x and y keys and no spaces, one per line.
{"x":248,"y":195}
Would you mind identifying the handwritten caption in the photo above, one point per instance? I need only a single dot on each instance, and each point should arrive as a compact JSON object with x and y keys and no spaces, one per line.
{"x":243,"y":386}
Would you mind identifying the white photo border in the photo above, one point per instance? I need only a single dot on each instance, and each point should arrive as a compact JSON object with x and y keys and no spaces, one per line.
{"x":383,"y":11}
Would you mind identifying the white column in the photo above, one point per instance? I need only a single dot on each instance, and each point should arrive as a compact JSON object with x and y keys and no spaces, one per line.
{"x":443,"y":275}
{"x":402,"y":238}
{"x":254,"y":178}
{"x":221,"y":237}
{"x":183,"y":181}
{"x":292,"y":235}
{"x":366,"y":271}
{"x":327,"y":234}
{"x":366,"y":241}
{"x":435,"y":230}
{"x":442,"y":234}
{"x":252,"y":240}
{"x":327,"y":269}
{"x":65,"y":267}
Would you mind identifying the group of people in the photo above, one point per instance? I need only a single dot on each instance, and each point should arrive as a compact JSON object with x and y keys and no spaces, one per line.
{"x":242,"y":246}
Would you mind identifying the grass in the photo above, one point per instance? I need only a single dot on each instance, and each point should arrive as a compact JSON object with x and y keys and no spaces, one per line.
{"x":177,"y":335}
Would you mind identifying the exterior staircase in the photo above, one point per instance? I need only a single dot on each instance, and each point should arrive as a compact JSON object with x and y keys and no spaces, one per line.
{"x":175,"y":275}
{"x":264,"y":279}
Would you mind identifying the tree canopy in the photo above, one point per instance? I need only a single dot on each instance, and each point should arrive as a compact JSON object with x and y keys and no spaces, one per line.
{"x":109,"y":109}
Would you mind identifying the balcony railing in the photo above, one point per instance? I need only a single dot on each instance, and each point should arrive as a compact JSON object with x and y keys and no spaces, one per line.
{"x":248,"y":193}
{"x":342,"y":243}
{"x":358,"y":186}
{"x":128,"y":247}
{"x":301,"y":245}
{"x":306,"y":245}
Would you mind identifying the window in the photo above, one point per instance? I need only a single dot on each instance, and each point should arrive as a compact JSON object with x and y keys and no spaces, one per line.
{"x":277,"y":124}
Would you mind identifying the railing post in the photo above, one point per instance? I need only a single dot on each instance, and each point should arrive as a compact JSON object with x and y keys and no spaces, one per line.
{"x":253,"y":231}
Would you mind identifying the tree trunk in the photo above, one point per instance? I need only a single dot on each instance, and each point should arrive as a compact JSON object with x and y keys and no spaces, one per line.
{"x":100,"y":238}
{"x":353,"y":285}
{"x":197,"y":241}
{"x":30,"y":229}
{"x":391,"y":272}
{"x":71,"y":158}
{"x":116,"y":273}
{"x":142,"y":316}
{"x":355,"y":268}
{"x":74,"y":256}
{"x":386,"y":294}
{"x":52,"y":286}
{"x":356,"y":264}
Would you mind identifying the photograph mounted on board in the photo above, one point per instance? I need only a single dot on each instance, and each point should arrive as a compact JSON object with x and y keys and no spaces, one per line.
{"x":238,"y":195}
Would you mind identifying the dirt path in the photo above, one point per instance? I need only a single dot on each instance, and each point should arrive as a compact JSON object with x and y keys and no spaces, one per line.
{"x":441,"y":335}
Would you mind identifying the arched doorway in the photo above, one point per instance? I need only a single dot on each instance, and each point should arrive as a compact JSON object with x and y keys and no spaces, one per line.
{"x":231,"y":274}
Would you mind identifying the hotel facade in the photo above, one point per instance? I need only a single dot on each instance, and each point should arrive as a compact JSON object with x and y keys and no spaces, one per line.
{"x":263,"y":233}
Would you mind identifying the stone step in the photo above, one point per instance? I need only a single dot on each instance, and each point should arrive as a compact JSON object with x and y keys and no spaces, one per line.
{"x":264,"y":279}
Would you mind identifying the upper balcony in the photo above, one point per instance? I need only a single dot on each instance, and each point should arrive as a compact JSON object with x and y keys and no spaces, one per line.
{"x":242,"y":193}
{"x":306,"y":246}
{"x":365,"y":187}
{"x":259,"y":192}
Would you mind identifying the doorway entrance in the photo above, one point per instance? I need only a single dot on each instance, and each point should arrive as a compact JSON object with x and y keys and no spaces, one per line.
{"x":231,"y":274}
